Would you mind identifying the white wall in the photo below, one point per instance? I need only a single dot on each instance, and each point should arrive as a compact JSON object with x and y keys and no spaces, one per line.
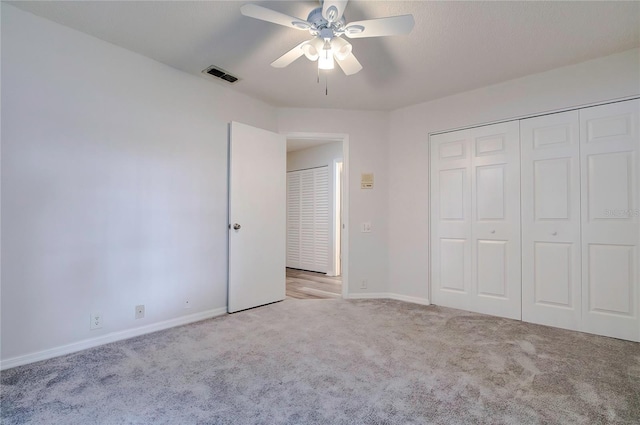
{"x":114,"y":186}
{"x":597,"y":80}
{"x":367,"y":152}
{"x":320,"y":156}
{"x":315,"y":156}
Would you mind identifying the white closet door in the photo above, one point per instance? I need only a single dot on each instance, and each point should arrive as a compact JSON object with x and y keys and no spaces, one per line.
{"x":307,"y":231}
{"x":495,"y":220}
{"x":308,"y":218}
{"x":293,"y":220}
{"x":475,"y":220}
{"x":551,"y":250}
{"x":321,"y":219}
{"x":451,"y":220}
{"x":609,"y":145}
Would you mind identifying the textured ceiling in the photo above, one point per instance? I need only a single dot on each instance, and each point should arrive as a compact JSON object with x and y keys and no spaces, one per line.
{"x":454,"y":47}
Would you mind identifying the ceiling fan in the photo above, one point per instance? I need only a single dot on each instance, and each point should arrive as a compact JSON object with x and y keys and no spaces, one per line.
{"x":327,"y":25}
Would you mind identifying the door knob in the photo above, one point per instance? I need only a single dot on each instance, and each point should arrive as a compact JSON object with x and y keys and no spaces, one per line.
{"x":236,"y":226}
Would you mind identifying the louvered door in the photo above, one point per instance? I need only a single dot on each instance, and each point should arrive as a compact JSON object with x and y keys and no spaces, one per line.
{"x":308,"y":218}
{"x":293,"y":220}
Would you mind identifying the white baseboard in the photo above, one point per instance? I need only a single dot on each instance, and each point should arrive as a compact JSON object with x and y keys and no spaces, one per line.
{"x":154,"y":327}
{"x":111,"y":337}
{"x":408,"y":299}
{"x":389,"y":295}
{"x":368,"y":296}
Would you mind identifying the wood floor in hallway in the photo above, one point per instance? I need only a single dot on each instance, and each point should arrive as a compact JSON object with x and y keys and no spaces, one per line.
{"x":309,"y":285}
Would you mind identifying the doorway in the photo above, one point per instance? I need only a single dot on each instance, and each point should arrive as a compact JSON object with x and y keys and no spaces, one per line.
{"x":317,"y":203}
{"x":306,"y":285}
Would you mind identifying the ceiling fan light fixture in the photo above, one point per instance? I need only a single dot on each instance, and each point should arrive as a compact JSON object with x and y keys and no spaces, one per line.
{"x":332,"y":14}
{"x":325,"y":61}
{"x":310,"y":52}
{"x":341,"y":48}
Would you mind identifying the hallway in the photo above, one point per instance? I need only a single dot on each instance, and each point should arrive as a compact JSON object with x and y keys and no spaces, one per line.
{"x":310,"y":285}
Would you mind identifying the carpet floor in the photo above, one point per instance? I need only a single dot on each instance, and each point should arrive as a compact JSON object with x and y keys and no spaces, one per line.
{"x":336,"y":362}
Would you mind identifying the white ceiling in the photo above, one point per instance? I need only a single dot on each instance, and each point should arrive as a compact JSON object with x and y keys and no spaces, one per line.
{"x":454,"y":47}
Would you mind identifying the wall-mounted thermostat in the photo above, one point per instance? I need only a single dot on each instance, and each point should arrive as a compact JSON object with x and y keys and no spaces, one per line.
{"x":366,"y":181}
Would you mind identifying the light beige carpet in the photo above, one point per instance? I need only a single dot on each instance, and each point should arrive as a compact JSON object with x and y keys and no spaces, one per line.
{"x":336,"y":362}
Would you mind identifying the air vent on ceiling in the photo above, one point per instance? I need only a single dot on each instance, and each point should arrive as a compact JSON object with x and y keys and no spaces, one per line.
{"x":220,"y":73}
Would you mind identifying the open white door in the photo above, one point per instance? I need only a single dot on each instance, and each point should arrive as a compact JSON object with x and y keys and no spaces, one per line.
{"x":257,"y":217}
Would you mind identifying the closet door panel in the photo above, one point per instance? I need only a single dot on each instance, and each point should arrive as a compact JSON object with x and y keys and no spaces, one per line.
{"x":609,"y":149}
{"x":609,"y":184}
{"x":307,"y":231}
{"x":551,"y":257}
{"x":452,"y":190}
{"x":293,"y":220}
{"x":492,"y":268}
{"x":451,"y":220}
{"x":490,"y":192}
{"x":322,"y":234}
{"x":453,"y":254}
{"x":611,"y":279}
{"x":495,"y":222}
{"x":553,"y":265}
{"x":552,"y":187}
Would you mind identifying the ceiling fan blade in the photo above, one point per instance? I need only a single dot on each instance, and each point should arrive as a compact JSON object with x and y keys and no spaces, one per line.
{"x":349,"y":65}
{"x":393,"y":25}
{"x":290,"y":56}
{"x":332,"y":10}
{"x":264,"y":14}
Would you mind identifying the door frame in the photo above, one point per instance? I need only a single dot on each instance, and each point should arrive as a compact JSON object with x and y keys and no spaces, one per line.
{"x":338,"y":217}
{"x":344,"y":243}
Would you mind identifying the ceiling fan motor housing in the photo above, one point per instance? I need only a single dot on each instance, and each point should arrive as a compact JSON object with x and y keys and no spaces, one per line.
{"x":319,"y":23}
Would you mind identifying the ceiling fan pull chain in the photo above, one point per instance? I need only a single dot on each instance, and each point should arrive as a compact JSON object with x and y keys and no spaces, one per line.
{"x":326,"y":85}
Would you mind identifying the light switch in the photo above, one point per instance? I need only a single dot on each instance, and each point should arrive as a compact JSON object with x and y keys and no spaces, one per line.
{"x":366,"y":227}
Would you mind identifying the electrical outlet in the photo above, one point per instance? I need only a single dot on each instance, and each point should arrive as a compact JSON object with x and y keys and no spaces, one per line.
{"x":363,"y":284}
{"x":365,"y":227}
{"x":96,"y":321}
{"x":140,"y":312}
{"x":187,"y":304}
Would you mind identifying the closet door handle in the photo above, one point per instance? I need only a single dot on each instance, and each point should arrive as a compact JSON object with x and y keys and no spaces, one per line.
{"x":554,"y":234}
{"x":493,"y":231}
